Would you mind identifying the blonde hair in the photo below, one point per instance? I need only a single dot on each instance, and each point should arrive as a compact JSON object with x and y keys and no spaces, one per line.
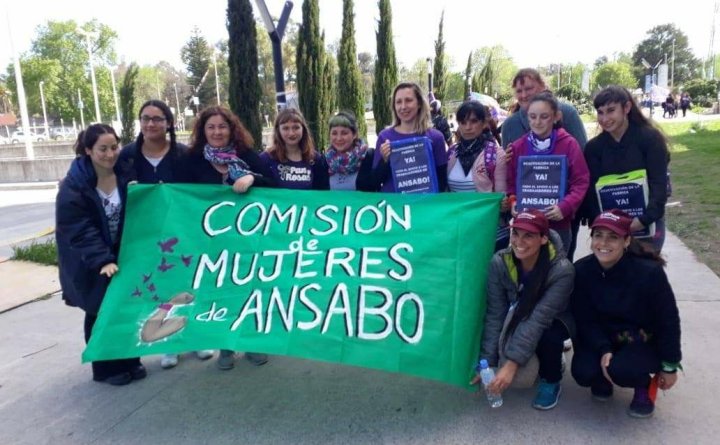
{"x":422,"y":121}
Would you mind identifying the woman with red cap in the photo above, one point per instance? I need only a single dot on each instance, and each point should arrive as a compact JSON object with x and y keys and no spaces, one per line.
{"x":529,"y":286}
{"x":627,"y":317}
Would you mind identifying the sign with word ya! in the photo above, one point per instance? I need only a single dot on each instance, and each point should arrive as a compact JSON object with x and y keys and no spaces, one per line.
{"x":541,"y":181}
{"x":413,"y":166}
{"x":627,"y":192}
{"x":386,"y":281}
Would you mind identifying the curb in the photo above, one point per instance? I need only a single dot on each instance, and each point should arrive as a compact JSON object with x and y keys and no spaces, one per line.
{"x":15,"y":186}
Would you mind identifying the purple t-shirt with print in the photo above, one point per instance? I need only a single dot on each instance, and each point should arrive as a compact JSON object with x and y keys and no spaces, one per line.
{"x":390,"y":134}
{"x":290,"y":174}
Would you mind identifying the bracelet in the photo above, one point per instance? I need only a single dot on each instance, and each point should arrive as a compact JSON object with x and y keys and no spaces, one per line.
{"x":166,"y":306}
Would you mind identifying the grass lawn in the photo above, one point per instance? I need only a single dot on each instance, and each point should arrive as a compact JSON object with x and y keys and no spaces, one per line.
{"x":695,"y":170}
{"x":42,"y":252}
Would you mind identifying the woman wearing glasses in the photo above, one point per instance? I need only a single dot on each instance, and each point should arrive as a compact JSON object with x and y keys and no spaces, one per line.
{"x":155,"y":158}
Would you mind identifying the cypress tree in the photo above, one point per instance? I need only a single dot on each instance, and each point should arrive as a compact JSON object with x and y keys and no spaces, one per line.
{"x":468,"y":77}
{"x":244,"y":85}
{"x":127,"y":104}
{"x":385,"y":68}
{"x":350,"y":86}
{"x":310,"y":61}
{"x":439,"y":69}
{"x":329,"y":98}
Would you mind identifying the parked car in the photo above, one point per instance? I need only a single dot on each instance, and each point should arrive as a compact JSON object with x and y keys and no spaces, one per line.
{"x":62,"y":133}
{"x":4,"y":140}
{"x":19,"y":136}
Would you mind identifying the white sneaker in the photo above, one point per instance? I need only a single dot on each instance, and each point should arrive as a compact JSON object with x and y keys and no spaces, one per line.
{"x":205,"y":354}
{"x":169,"y":361}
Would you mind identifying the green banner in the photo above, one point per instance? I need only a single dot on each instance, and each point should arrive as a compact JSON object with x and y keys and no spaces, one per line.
{"x":386,"y":281}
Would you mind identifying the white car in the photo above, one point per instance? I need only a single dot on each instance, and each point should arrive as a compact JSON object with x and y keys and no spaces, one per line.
{"x":19,"y":136}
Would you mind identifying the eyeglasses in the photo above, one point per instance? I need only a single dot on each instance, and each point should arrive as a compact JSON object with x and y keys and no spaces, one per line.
{"x":153,"y":119}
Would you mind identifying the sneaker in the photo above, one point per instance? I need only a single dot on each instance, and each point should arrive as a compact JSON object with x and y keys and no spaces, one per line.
{"x":567,"y":345}
{"x":641,"y":405}
{"x":547,"y":396}
{"x":169,"y":361}
{"x":138,"y":373}
{"x":226,"y":360}
{"x":256,"y":358}
{"x":205,"y":354}
{"x":116,"y":380}
{"x":601,"y":392}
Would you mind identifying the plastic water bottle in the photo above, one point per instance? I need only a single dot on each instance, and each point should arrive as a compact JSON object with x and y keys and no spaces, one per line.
{"x":487,"y":375}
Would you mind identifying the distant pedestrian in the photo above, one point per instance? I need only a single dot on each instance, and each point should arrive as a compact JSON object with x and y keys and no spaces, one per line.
{"x":628,"y":325}
{"x":439,"y":121}
{"x":89,"y":214}
{"x":628,"y":142}
{"x":685,"y":102}
{"x":155,"y":156}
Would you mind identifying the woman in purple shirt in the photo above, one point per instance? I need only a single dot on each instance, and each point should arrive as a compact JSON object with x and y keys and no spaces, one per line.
{"x":292,"y":159}
{"x":412,"y":119}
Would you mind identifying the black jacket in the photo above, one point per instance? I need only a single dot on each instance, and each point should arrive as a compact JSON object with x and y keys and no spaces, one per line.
{"x":131,"y":157}
{"x":632,"y":295}
{"x":640,"y":148}
{"x":196,"y":169}
{"x":83,"y":235}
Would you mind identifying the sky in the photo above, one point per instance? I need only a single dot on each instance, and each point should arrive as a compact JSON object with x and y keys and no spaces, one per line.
{"x":534,"y":32}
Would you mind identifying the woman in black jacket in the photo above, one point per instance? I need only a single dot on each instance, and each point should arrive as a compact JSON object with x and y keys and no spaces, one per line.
{"x":89,"y":216}
{"x":221,"y":152}
{"x":628,"y":326}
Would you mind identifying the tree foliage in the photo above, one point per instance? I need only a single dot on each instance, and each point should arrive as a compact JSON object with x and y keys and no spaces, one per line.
{"x":439,"y":66}
{"x":196,"y":54}
{"x":386,"y":72}
{"x":127,"y":104}
{"x":658,"y":44}
{"x":329,"y":99}
{"x":703,"y":92}
{"x":310,"y":61}
{"x":501,"y":70}
{"x":350,"y":83}
{"x":468,"y":77}
{"x":244,"y":85}
{"x":614,"y":73}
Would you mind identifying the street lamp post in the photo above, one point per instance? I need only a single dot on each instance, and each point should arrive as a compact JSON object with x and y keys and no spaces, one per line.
{"x":115,"y":97}
{"x":276,"y":34}
{"x":652,"y":69}
{"x":42,"y":102}
{"x":429,"y":73}
{"x":217,"y":81}
{"x":82,"y":115}
{"x":672,"y":66}
{"x":88,"y":35}
{"x":178,"y":113}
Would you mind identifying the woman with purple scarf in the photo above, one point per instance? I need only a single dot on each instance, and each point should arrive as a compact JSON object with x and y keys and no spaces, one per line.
{"x":348,"y":158}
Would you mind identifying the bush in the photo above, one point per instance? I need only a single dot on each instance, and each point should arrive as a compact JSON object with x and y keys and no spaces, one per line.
{"x":37,"y":252}
{"x":702,"y":92}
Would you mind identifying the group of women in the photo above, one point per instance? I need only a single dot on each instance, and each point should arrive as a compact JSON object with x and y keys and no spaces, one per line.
{"x":536,"y":298}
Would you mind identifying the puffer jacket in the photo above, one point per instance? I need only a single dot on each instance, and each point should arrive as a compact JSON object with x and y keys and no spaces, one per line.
{"x":503,"y":292}
{"x":83,"y":235}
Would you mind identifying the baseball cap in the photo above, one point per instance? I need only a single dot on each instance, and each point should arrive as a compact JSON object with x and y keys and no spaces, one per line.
{"x":614,"y":220}
{"x":532,"y":220}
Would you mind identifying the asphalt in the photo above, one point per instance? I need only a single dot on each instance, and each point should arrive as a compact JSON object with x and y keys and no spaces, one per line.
{"x":47,"y":396}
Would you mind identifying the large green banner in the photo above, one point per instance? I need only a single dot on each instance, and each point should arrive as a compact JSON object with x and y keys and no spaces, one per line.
{"x":386,"y":281}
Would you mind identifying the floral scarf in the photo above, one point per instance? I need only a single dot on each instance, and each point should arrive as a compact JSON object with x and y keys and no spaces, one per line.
{"x":237,"y":168}
{"x":348,"y":162}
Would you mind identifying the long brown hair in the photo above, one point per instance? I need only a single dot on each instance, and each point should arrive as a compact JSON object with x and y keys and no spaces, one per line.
{"x":240,"y":137}
{"x":278,"y":150}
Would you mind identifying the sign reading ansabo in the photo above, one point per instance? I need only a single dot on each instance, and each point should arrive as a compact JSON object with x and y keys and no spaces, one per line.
{"x":387,"y":281}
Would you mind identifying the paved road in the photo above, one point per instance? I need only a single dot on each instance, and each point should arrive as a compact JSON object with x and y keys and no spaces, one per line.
{"x":24,"y":215}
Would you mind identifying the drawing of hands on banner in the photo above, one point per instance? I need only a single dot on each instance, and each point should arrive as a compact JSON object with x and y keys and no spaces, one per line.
{"x":160,"y":326}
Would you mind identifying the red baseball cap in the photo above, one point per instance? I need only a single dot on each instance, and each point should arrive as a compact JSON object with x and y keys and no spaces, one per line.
{"x":614,"y":220}
{"x":532,"y":220}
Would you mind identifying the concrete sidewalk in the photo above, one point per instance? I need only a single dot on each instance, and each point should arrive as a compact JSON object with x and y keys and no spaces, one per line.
{"x":47,"y":397}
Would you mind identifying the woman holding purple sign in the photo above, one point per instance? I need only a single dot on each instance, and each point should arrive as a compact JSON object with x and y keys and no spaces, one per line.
{"x":292,"y":159}
{"x":629,"y":142}
{"x":412,"y":120}
{"x":546,"y":138}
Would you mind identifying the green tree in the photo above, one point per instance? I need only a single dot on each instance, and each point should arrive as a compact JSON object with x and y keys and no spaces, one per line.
{"x":328,"y":100}
{"x":266,"y":73}
{"x":310,"y":60}
{"x":127,"y":104}
{"x":196,"y":54}
{"x":59,"y":57}
{"x":386,"y":72}
{"x":501,"y":70}
{"x":703,"y":92}
{"x":439,"y":66}
{"x":658,"y":44}
{"x":468,"y":77}
{"x":243,"y":63}
{"x":350,"y":83}
{"x":614,"y":73}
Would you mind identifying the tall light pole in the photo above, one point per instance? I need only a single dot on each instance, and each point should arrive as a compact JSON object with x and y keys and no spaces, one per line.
{"x":672,"y":67}
{"x":82,"y":115}
{"x":178,"y":112}
{"x":88,"y":35}
{"x":42,"y":102}
{"x":29,"y":151}
{"x":115,"y":97}
{"x":217,"y":81}
{"x":276,"y":35}
{"x":429,"y":73}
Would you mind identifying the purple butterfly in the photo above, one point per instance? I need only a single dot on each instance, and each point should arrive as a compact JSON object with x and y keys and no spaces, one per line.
{"x":146,"y":278}
{"x":167,"y":246}
{"x":155,"y":298}
{"x":151,"y":287}
{"x":164,"y":265}
{"x":186,"y":259}
{"x":137,"y":292}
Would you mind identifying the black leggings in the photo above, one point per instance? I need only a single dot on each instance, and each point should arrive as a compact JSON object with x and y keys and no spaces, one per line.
{"x":630,"y":366}
{"x":102,"y":369}
{"x":549,"y":351}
